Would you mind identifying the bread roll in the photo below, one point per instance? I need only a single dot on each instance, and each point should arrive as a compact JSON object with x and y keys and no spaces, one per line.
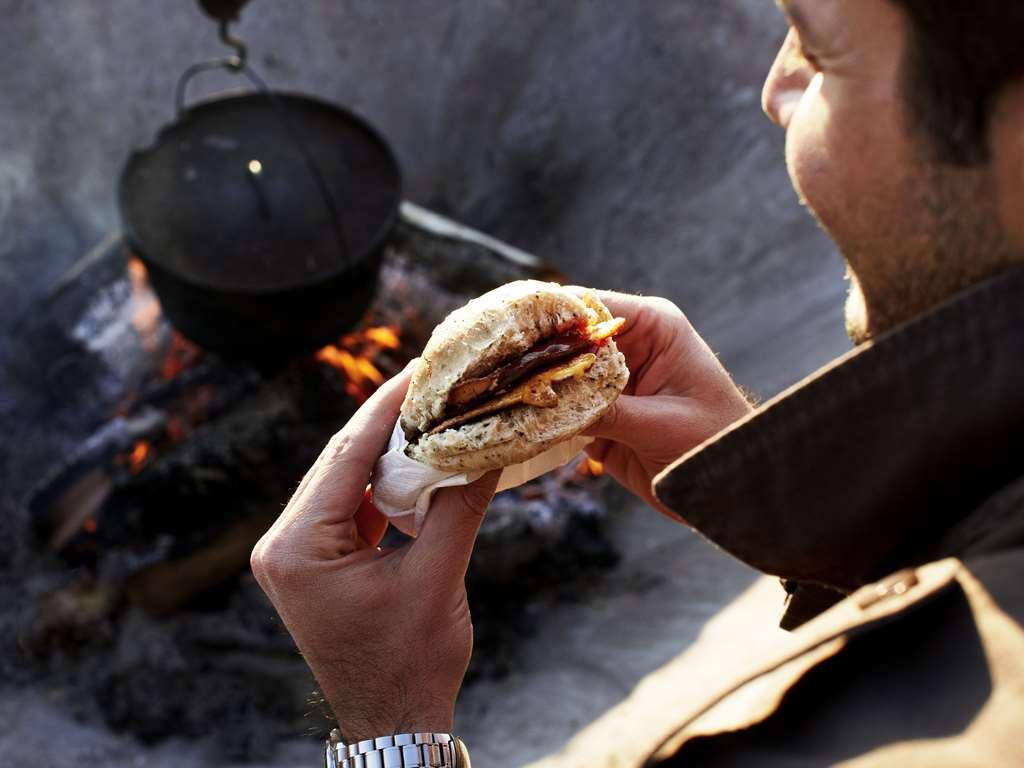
{"x":490,"y":330}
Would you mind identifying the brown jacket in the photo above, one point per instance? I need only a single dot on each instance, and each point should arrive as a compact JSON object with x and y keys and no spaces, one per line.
{"x":906,"y":458}
{"x":889,"y":486}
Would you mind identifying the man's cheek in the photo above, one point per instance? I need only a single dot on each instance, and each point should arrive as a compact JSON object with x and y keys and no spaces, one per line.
{"x":810,"y":166}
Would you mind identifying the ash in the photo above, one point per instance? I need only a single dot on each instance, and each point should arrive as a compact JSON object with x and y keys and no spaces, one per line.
{"x":138,"y":471}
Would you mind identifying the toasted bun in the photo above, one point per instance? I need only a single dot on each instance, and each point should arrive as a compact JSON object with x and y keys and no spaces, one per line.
{"x":471,"y":341}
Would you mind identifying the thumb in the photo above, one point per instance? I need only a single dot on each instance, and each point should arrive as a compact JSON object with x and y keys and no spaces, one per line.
{"x":450,"y":528}
{"x":631,"y":419}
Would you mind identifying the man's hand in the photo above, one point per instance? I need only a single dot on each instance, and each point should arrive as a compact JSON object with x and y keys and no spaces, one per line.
{"x":387,"y":634}
{"x":678,"y":394}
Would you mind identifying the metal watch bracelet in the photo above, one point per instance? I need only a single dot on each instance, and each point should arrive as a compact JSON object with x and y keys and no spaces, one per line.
{"x":403,"y":750}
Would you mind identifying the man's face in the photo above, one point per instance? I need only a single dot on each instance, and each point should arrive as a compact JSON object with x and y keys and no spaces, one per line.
{"x":912,"y":230}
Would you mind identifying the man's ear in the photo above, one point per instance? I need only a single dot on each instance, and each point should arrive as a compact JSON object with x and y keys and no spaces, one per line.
{"x":1007,"y":144}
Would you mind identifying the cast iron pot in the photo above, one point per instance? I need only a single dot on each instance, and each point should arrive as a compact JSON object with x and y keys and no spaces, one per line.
{"x":261,"y":218}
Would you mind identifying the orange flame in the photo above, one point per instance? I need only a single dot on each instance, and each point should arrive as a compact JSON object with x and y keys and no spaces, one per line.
{"x":340,"y":359}
{"x":369,"y":371}
{"x":384,"y":335}
{"x":145,"y":307}
{"x":146,"y":316}
{"x":355,"y":354}
{"x":137,"y":273}
{"x":590,"y":468}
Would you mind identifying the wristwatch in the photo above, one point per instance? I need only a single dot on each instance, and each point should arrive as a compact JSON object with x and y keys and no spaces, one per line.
{"x":403,"y":750}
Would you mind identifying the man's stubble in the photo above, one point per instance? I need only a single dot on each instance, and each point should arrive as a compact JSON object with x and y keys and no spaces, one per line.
{"x":943,"y":234}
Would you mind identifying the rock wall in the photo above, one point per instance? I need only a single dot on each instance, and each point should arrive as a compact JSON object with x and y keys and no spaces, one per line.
{"x":622,"y":141}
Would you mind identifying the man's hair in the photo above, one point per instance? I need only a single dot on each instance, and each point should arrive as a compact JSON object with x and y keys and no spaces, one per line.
{"x":960,"y":55}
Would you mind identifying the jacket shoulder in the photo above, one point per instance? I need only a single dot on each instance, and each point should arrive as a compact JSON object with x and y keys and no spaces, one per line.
{"x":895,"y":672}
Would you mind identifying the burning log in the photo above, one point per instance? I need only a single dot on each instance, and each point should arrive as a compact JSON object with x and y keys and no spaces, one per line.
{"x":76,"y":509}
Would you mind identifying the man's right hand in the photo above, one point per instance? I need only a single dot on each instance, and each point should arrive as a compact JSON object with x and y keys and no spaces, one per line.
{"x":678,"y":394}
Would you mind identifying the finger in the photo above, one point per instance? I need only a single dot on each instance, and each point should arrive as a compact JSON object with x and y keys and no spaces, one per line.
{"x":445,"y":543}
{"x":333,"y":488}
{"x":632,"y":420}
{"x":633,"y":307}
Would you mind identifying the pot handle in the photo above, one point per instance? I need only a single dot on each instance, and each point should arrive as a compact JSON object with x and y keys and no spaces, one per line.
{"x":237,"y":65}
{"x":230,"y":64}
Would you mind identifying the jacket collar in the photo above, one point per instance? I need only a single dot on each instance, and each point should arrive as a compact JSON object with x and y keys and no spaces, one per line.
{"x":862,"y":467}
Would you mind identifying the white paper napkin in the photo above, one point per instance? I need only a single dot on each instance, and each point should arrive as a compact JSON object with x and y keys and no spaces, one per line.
{"x":403,"y":487}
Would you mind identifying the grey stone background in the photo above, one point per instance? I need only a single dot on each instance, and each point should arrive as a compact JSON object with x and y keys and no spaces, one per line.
{"x":622,"y":141}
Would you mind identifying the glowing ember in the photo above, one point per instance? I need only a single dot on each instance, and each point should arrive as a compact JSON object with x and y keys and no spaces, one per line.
{"x":90,"y":525}
{"x":181,"y":355}
{"x":137,"y":457}
{"x":590,"y":468}
{"x":176,"y":431}
{"x":196,"y":406}
{"x":356,"y":355}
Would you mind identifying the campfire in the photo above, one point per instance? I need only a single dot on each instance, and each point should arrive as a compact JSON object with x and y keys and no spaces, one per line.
{"x":364,"y":359}
{"x":167,"y":462}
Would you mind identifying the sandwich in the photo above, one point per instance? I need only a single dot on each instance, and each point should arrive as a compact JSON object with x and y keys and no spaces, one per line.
{"x":514,"y":372}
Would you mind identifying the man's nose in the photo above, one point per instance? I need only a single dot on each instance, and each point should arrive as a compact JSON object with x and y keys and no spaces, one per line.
{"x":787,"y":80}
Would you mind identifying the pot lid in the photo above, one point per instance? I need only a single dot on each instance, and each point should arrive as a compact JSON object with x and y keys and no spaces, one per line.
{"x":261,"y":192}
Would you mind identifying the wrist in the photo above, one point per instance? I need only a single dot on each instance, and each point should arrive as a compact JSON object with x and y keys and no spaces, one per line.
{"x":365,"y":731}
{"x":388,"y":710}
{"x":356,"y":727}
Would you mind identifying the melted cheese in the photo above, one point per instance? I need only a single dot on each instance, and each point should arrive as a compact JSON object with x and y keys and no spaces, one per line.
{"x":605,"y":330}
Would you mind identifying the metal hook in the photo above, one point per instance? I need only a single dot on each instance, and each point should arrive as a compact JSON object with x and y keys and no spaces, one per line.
{"x":236,"y":62}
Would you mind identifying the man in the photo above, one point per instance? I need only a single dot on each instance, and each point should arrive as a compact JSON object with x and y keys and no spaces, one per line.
{"x":888,"y":485}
